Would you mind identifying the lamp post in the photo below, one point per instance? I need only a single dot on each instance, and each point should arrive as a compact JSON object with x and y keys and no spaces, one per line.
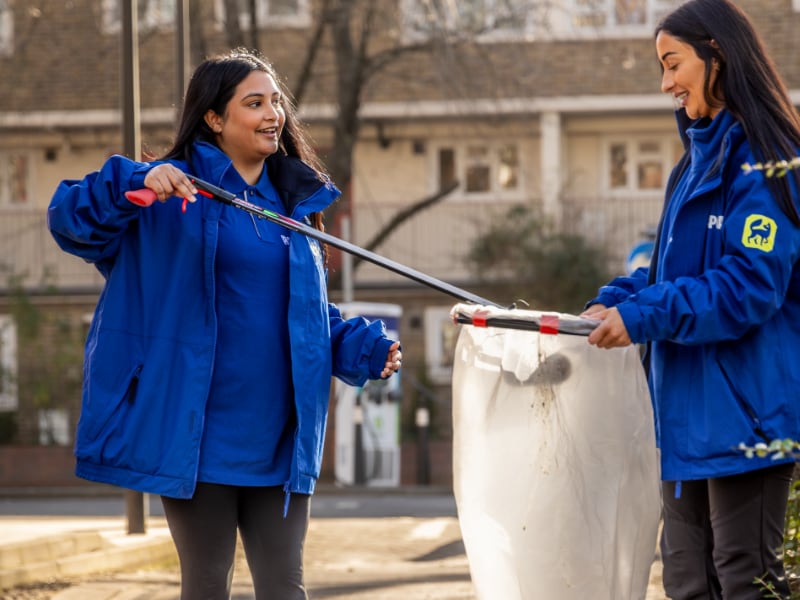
{"x":182,"y":50}
{"x":132,"y":148}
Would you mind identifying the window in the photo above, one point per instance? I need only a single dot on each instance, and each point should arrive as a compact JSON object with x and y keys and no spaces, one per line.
{"x":618,"y":16}
{"x":483,"y":170}
{"x":640,"y":164}
{"x":508,"y":19}
{"x":269,"y":13}
{"x":15,"y":178}
{"x":8,"y":364}
{"x":6,"y":28}
{"x":427,"y":18}
{"x":153,"y":14}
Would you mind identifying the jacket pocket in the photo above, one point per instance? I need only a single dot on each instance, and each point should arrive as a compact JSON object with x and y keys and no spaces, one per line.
{"x":102,"y":411}
{"x":268,"y":232}
{"x":744,"y":405}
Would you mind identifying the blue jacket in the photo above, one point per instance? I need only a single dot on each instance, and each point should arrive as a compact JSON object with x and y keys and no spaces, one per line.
{"x":723,"y":313}
{"x":150,"y":347}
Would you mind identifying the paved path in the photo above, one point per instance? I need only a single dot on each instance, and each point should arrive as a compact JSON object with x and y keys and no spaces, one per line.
{"x":388,"y":558}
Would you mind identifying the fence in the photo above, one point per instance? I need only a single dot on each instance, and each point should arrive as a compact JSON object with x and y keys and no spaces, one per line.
{"x":30,"y":258}
{"x":435,"y":241}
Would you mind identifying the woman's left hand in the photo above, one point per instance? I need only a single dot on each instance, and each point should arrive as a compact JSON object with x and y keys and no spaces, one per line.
{"x":394,"y":360}
{"x":611,"y":332}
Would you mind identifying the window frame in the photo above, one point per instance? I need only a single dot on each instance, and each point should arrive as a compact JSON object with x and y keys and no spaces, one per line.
{"x":653,"y":11}
{"x":461,"y":161}
{"x":6,"y":28}
{"x":157,"y":15}
{"x":556,"y":20}
{"x":670,"y":149}
{"x":489,"y":30}
{"x":263,"y":18}
{"x":6,"y":194}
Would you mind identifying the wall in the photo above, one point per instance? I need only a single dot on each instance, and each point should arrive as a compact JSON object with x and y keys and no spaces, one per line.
{"x":37,"y":467}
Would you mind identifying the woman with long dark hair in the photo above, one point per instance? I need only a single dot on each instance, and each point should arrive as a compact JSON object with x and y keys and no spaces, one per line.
{"x":209,"y":358}
{"x":719,"y":307}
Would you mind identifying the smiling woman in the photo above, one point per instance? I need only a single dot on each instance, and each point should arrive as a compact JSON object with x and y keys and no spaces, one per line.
{"x":209,"y":360}
{"x":718,"y":307}
{"x":685,"y":76}
{"x":249,"y":129}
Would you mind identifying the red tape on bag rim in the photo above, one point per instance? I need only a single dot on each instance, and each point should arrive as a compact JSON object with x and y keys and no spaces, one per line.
{"x":549,"y":324}
{"x":479,"y":318}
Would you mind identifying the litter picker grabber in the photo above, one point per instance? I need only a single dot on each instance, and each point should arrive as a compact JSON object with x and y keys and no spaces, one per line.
{"x":145,"y":197}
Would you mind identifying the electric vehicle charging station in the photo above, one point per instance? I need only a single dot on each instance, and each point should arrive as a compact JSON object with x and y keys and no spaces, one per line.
{"x":367,"y":419}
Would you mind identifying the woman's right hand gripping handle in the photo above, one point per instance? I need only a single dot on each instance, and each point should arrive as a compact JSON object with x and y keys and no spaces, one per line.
{"x":161,"y":183}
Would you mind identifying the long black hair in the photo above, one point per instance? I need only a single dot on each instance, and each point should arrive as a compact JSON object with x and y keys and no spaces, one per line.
{"x":211,"y":87}
{"x":748,"y":83}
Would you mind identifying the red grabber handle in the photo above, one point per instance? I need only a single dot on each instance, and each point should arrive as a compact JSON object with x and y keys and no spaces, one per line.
{"x":145,"y":197}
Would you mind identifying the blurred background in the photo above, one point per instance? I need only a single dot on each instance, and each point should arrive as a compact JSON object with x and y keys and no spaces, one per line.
{"x":514,"y":148}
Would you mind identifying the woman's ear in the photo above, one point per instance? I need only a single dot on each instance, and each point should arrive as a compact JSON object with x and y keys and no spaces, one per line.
{"x":717,"y":50}
{"x":214,"y":121}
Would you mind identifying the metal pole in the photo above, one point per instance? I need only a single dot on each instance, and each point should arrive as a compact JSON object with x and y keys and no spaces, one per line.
{"x":183,"y":57}
{"x":132,"y":148}
{"x":146,"y":197}
{"x":131,"y":119}
{"x":347,"y":263}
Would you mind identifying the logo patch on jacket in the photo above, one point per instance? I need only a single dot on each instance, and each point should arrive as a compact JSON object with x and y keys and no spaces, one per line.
{"x":759,"y":233}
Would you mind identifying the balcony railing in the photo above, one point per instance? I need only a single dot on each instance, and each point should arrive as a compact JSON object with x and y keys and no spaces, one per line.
{"x":435,"y":241}
{"x":438,"y":240}
{"x":30,"y":258}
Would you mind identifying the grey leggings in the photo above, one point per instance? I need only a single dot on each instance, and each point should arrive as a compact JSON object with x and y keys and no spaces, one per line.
{"x":721,"y":534}
{"x":204,"y":530}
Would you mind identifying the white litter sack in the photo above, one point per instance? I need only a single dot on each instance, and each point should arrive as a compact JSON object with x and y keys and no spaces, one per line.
{"x":556,"y":473}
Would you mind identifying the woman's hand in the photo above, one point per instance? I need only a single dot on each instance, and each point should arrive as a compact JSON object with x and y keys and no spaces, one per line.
{"x":394,"y":360}
{"x":590,"y":312}
{"x":611,"y":332}
{"x":167,"y":181}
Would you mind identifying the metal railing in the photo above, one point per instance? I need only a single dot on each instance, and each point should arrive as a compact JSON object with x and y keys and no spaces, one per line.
{"x":30,"y":258}
{"x":435,"y":242}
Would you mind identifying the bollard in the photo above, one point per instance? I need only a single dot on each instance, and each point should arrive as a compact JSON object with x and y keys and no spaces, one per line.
{"x":360,"y":467}
{"x":422,"y":421}
{"x":135,"y":509}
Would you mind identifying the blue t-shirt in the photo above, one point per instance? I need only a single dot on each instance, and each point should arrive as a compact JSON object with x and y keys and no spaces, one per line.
{"x":250,"y":416}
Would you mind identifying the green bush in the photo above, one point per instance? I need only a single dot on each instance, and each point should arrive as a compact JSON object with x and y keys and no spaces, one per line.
{"x":791,"y":537}
{"x":525,"y":258}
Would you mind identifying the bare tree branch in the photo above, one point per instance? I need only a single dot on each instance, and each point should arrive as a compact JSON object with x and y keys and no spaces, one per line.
{"x":233,"y":32}
{"x":253,"y":25}
{"x":307,"y":68}
{"x":403,"y":215}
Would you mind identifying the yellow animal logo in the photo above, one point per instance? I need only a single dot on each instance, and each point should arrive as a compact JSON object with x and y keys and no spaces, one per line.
{"x":759,"y":233}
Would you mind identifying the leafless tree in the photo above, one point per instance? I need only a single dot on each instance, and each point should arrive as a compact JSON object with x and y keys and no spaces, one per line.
{"x":365,"y":37}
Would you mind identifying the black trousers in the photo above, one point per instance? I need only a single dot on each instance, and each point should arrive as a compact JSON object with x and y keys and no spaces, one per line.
{"x":721,"y":534}
{"x":204,"y":530}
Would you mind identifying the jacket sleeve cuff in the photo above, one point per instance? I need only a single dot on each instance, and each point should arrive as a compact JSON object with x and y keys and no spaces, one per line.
{"x":634,"y":323}
{"x":378,"y":359}
{"x":137,"y":177}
